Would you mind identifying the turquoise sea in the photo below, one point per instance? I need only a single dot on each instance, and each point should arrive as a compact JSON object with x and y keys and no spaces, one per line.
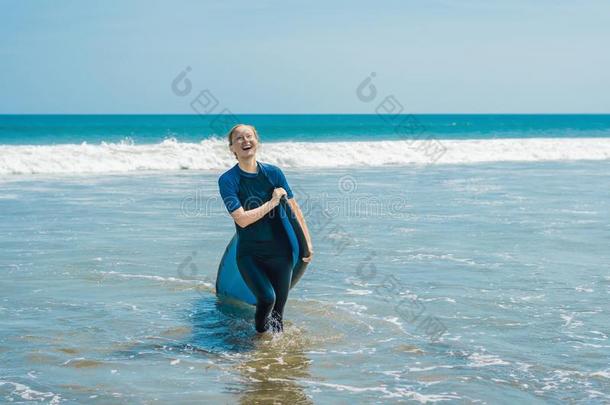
{"x":147,"y":129}
{"x":459,"y":258}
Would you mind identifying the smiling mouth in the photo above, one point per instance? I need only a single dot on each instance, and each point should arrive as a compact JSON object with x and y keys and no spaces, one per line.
{"x":247,"y":147}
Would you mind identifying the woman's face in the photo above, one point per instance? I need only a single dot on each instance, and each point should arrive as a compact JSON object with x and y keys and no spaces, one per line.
{"x":244,"y":143}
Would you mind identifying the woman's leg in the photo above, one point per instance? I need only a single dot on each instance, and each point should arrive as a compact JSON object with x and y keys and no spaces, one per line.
{"x":268,"y":278}
{"x":256,"y":279}
{"x":279,"y":272}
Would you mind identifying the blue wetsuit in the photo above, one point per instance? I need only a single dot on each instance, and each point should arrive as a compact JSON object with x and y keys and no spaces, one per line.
{"x":264,"y":254}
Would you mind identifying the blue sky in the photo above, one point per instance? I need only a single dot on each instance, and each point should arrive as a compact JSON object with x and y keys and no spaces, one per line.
{"x":305,"y":57}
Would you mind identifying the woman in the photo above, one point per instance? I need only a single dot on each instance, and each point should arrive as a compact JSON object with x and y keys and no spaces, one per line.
{"x":264,"y":255}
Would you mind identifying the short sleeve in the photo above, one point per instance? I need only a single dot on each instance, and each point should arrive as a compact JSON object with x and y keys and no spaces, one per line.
{"x":284,"y":183}
{"x":228,"y":192}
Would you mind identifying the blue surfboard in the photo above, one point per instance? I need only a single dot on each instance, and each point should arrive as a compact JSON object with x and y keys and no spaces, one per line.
{"x":229,"y":282}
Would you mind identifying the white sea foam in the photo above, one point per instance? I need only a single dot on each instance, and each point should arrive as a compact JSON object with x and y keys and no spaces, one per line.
{"x":350,"y":291}
{"x":601,"y":374}
{"x":29,"y":394}
{"x":352,"y":306}
{"x":156,"y":278}
{"x":484,"y":360}
{"x":212,"y":154}
{"x":384,"y":391}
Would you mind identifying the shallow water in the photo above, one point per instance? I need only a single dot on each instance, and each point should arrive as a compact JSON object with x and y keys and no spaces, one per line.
{"x":486,"y":282}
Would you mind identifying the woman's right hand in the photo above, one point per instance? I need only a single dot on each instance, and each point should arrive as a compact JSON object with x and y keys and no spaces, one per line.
{"x":277,"y":195}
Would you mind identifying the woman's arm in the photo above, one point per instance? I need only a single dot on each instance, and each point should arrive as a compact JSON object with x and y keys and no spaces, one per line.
{"x":244,"y":218}
{"x":299,"y":214}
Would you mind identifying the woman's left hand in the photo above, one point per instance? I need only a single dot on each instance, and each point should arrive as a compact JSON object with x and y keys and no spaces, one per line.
{"x":310,"y":257}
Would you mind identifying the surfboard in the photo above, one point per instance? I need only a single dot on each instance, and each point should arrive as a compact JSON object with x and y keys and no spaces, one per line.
{"x":229,"y":282}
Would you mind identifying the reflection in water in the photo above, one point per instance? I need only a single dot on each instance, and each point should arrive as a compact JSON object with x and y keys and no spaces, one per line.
{"x":220,"y":327}
{"x":271,"y":372}
{"x":217,"y":331}
{"x":269,"y":365}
